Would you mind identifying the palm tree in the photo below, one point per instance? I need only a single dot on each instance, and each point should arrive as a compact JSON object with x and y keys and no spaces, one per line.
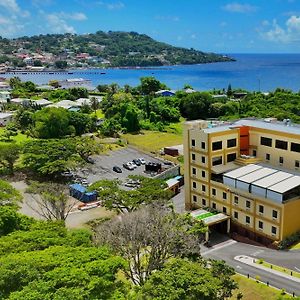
{"x":94,"y":104}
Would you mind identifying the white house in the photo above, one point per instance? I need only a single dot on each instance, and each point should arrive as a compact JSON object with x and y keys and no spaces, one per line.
{"x":67,"y":104}
{"x":41,"y":102}
{"x":4,"y":96}
{"x":4,"y":86}
{"x":5,"y":118}
{"x":20,"y":101}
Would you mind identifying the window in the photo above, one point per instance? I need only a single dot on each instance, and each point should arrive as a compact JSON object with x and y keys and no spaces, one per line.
{"x":203,"y":174}
{"x":254,"y":153}
{"x":274,"y":230}
{"x":203,"y":159}
{"x":247,"y":220}
{"x":224,"y":210}
{"x":268,"y":156}
{"x":193,"y":143}
{"x":231,"y":143}
{"x":193,"y":156}
{"x":236,"y":215}
{"x":214,"y":192}
{"x":194,"y":198}
{"x":266,"y":141}
{"x":194,"y":171}
{"x":295,"y":147}
{"x":275,"y":214}
{"x":214,"y":205}
{"x":203,"y":188}
{"x":202,"y":145}
{"x":217,"y":160}
{"x":194,"y":185}
{"x":236,"y":200}
{"x":261,"y":209}
{"x":217,"y":145}
{"x":248,"y":204}
{"x":203,"y":202}
{"x":297,"y":163}
{"x":231,"y":157}
{"x":260,"y":225}
{"x":224,"y":196}
{"x":281,"y":160}
{"x":281,"y":144}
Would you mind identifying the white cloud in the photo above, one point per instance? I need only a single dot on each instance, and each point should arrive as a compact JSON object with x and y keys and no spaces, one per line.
{"x":236,"y":7}
{"x":10,"y":5}
{"x":58,"y":24}
{"x":112,"y":5}
{"x":167,"y":18}
{"x":290,"y":33}
{"x":77,"y":16}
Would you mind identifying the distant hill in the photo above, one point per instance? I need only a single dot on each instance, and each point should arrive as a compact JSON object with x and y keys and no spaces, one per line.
{"x":123,"y":49}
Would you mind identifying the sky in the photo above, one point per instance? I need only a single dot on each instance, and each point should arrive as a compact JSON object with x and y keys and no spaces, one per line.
{"x":264,"y":26}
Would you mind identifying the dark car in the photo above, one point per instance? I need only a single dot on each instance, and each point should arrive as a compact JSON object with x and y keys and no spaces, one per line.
{"x":90,"y":160}
{"x":136,"y":161}
{"x":117,"y":169}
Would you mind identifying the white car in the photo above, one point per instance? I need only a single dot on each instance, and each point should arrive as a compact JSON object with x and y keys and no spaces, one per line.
{"x":142,"y":161}
{"x":132,"y":164}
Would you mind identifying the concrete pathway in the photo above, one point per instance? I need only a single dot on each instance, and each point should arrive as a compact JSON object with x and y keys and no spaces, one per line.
{"x":253,"y":262}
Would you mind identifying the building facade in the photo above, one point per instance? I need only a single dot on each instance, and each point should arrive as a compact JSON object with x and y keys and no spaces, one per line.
{"x":248,"y":170}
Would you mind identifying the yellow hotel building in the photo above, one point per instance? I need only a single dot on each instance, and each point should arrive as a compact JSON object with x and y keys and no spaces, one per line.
{"x":248,"y":170}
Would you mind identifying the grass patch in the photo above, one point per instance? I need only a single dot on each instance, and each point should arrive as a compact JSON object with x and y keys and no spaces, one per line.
{"x":19,"y":138}
{"x":259,"y":291}
{"x":295,"y":246}
{"x":99,"y":114}
{"x":153,"y":141}
{"x":277,"y":268}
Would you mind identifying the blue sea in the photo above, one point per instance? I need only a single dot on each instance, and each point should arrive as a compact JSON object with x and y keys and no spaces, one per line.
{"x":264,"y":72}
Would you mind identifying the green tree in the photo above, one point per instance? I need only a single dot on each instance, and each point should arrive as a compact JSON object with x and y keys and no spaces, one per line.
{"x":94,"y":104}
{"x":61,"y":64}
{"x":149,"y":85}
{"x":115,"y":198}
{"x":49,"y":157}
{"x":52,"y":123}
{"x":9,"y":195}
{"x":184,"y":280}
{"x":10,"y":131}
{"x":9,"y":154}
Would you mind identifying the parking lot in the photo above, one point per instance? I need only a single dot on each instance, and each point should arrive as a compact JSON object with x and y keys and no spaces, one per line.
{"x":103,"y":166}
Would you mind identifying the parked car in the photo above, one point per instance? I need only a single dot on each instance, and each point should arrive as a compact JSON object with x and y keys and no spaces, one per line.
{"x":90,"y":160}
{"x":136,"y":161}
{"x":128,"y":166}
{"x":132,"y":164}
{"x":142,"y":160}
{"x":117,"y":169}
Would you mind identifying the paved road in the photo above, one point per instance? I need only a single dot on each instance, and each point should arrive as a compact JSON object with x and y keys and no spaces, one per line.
{"x":229,"y":249}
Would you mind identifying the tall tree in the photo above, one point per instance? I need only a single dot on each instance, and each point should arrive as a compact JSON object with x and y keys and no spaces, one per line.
{"x":95,"y":104}
{"x":147,"y":238}
{"x":8,"y":194}
{"x":180,"y":279}
{"x":52,"y":200}
{"x":9,"y":153}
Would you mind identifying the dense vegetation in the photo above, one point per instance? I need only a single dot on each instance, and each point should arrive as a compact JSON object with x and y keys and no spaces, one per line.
{"x":44,"y":260}
{"x":120,"y":48}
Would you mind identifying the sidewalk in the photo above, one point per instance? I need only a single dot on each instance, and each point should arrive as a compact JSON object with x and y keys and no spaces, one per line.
{"x":251,"y":262}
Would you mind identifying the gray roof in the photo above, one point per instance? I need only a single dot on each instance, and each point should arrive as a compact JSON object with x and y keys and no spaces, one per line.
{"x":270,"y":178}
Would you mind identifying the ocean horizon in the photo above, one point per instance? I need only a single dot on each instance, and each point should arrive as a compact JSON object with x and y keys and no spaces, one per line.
{"x":252,"y":71}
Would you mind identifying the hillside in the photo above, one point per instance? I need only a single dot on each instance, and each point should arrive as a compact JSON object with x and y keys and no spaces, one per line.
{"x":123,"y":49}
